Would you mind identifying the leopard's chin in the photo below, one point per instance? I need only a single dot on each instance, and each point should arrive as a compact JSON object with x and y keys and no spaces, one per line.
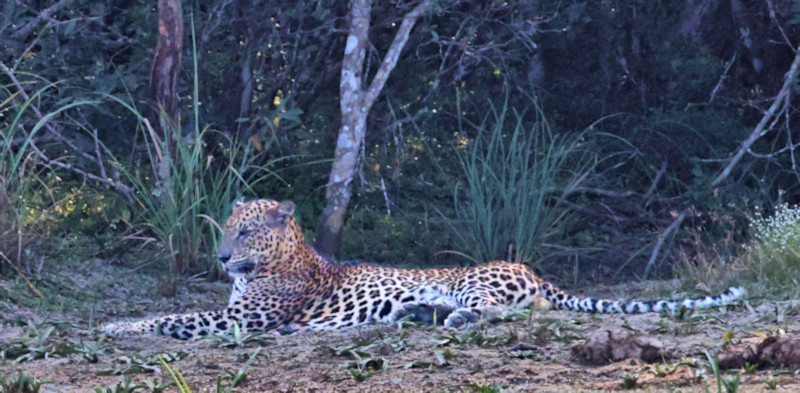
{"x":240,"y":268}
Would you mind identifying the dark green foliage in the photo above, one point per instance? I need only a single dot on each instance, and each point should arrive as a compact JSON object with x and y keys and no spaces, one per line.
{"x":666,"y":84}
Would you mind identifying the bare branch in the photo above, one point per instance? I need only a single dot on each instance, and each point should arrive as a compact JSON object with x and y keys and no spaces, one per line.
{"x":660,"y":241}
{"x":778,"y":25}
{"x":659,"y":175}
{"x":51,"y":162}
{"x":45,"y":15}
{"x":778,"y":103}
{"x":722,"y":78}
{"x":393,"y":54}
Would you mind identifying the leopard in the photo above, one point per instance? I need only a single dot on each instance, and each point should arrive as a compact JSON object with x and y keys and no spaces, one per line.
{"x":285,"y":286}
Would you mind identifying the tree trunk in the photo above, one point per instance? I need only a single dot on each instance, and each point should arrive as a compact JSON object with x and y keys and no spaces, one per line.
{"x":166,"y":66}
{"x":355,"y":103}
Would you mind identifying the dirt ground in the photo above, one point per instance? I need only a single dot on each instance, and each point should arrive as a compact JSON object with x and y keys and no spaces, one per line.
{"x":544,"y":351}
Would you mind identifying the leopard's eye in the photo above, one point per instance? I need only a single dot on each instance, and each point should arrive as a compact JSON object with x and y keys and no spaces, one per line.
{"x":243,"y":232}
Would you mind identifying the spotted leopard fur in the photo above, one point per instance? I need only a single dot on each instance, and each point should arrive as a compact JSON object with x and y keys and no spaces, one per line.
{"x":285,"y":285}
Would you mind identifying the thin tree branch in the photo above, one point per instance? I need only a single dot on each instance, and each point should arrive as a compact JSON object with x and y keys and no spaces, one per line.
{"x":44,"y":15}
{"x":660,"y":242}
{"x":53,"y":130}
{"x":759,"y":131}
{"x":722,"y":78}
{"x":659,"y":175}
{"x":48,"y":161}
{"x":778,"y":25}
{"x":393,"y":54}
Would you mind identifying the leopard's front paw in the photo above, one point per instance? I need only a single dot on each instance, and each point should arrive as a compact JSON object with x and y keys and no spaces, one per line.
{"x":426,"y":313}
{"x":122,"y":329}
{"x":114,"y":329}
{"x":461,"y":319}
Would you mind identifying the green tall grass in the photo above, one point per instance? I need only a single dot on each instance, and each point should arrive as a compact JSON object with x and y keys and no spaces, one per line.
{"x":189,"y":184}
{"x":517,"y":173}
{"x":21,"y":189}
{"x":187,"y":187}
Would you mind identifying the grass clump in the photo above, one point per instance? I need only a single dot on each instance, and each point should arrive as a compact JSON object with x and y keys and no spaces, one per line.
{"x":774,"y":255}
{"x":21,"y":383}
{"x":768,"y":265}
{"x":38,"y":342}
{"x":516,"y":173}
{"x":20,"y":173}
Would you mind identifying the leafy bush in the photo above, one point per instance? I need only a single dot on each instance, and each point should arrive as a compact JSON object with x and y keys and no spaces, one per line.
{"x":773,"y":257}
{"x":768,"y":265}
{"x":517,"y":173}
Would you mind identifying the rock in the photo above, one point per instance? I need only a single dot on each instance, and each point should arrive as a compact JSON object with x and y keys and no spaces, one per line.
{"x":773,"y":351}
{"x":606,"y":346}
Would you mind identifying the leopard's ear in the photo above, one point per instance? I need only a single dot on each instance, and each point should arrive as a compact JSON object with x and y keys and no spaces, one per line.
{"x":286,"y":209}
{"x":239,"y":202}
{"x":280,"y":215}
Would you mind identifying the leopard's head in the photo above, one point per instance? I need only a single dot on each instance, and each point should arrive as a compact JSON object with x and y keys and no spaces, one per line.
{"x":262,"y":231}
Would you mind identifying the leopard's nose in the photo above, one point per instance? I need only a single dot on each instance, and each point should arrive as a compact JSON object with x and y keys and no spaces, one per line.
{"x":224,"y":257}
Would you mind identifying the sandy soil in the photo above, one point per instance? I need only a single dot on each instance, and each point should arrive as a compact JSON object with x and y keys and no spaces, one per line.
{"x":543,"y":352}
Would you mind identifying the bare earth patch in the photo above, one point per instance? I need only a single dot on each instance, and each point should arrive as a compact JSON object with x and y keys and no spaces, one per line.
{"x":553,"y":351}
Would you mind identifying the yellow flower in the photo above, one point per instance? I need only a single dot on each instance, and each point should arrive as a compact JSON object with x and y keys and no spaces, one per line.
{"x":496,"y":72}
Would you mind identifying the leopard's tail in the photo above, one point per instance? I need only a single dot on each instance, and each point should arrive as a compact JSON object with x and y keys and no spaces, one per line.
{"x":565,"y":301}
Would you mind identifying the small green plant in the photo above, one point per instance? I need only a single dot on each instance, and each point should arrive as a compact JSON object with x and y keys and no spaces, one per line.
{"x":560,"y":330}
{"x":35,"y":343}
{"x":629,"y":381}
{"x":712,"y":362}
{"x":772,"y":383}
{"x":363,"y":369}
{"x":240,"y":374}
{"x":481,"y":388}
{"x":365,"y":342}
{"x":472,"y":337}
{"x":681,"y":313}
{"x":727,"y":337}
{"x":236,"y":378}
{"x":154,"y":385}
{"x":177,"y":377}
{"x":408,"y":320}
{"x":731,"y":385}
{"x":91,"y":351}
{"x":21,"y":383}
{"x":523,"y":351}
{"x":444,"y":357}
{"x":137,"y":365}
{"x":126,"y":386}
{"x":240,"y":339}
{"x":660,"y":371}
{"x":750,"y":368}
